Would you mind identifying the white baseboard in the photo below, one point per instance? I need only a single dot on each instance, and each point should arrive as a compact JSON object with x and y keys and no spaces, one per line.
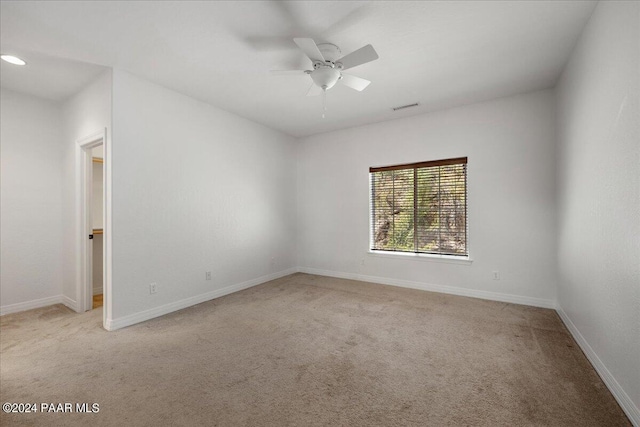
{"x":97,"y":290}
{"x":38,"y":303}
{"x":616,"y":389}
{"x":113,"y":324}
{"x":493,"y":296}
{"x":28,"y":305}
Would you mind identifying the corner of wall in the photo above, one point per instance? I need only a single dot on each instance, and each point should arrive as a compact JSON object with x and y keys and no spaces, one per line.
{"x":597,"y":150}
{"x":624,"y":400}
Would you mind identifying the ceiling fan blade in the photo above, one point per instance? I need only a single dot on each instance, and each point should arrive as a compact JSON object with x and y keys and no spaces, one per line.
{"x":287,"y":72}
{"x":310,"y":49}
{"x":314,"y":90}
{"x":357,"y":83}
{"x":359,"y":57}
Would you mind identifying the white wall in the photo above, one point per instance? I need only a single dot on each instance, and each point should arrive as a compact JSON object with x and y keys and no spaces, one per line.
{"x":599,"y":197}
{"x":31,"y":236}
{"x":511,"y":208}
{"x":85,"y":114}
{"x":98,"y":152}
{"x":195,"y":189}
{"x":97,"y":194}
{"x":98,"y":251}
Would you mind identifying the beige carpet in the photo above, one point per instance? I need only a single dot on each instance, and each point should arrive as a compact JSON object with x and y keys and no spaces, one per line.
{"x":307,"y":350}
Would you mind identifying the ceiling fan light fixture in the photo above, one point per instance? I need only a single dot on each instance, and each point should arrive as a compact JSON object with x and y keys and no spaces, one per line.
{"x":326,"y":78}
{"x":328,"y":64}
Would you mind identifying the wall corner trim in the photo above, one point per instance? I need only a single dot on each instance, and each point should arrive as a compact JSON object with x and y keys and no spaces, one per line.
{"x":72,"y":304}
{"x":614,"y":387}
{"x":132,"y":319}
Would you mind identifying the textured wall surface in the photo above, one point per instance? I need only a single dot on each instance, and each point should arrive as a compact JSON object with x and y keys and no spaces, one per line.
{"x":599,"y":190}
{"x":510,"y":146}
{"x":31,"y":237}
{"x":195,"y":189}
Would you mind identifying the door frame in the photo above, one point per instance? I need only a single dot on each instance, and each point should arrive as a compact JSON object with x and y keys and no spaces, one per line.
{"x":84,"y":286}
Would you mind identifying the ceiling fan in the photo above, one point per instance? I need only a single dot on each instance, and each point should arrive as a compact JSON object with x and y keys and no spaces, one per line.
{"x":328,"y":65}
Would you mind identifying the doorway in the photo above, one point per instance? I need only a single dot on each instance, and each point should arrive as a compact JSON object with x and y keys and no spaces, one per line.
{"x":93,"y":226}
{"x":97,"y":207}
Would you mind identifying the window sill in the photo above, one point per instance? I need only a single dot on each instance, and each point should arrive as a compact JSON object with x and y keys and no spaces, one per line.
{"x":422,"y":257}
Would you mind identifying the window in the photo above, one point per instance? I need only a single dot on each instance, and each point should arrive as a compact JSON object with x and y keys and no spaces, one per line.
{"x":420,"y":207}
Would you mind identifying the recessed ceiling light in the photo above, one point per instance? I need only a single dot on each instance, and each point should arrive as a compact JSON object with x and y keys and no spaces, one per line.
{"x":13,"y":60}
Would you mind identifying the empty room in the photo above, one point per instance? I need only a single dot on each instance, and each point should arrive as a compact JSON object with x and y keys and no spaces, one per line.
{"x":320,"y":213}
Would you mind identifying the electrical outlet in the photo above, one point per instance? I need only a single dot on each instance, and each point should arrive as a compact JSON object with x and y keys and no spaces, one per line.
{"x":496,"y":275}
{"x":153,"y":288}
{"x":207,"y":275}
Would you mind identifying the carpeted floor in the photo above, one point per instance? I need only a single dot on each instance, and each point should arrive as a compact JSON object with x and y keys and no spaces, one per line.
{"x":307,"y":350}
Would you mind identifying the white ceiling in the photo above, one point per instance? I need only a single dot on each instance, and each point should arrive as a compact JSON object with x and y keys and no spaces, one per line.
{"x":46,"y":76}
{"x":440,"y":54}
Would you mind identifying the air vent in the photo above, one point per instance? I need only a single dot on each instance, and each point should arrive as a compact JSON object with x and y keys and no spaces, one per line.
{"x":402,"y":107}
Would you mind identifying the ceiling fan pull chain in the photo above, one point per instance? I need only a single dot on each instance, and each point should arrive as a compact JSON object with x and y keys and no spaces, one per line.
{"x":324,"y":102}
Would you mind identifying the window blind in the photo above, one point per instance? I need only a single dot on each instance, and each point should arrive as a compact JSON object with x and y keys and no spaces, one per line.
{"x":420,"y":207}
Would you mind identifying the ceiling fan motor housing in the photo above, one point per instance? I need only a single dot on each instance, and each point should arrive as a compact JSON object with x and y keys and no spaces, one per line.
{"x":327,"y":74}
{"x":330,"y":51}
